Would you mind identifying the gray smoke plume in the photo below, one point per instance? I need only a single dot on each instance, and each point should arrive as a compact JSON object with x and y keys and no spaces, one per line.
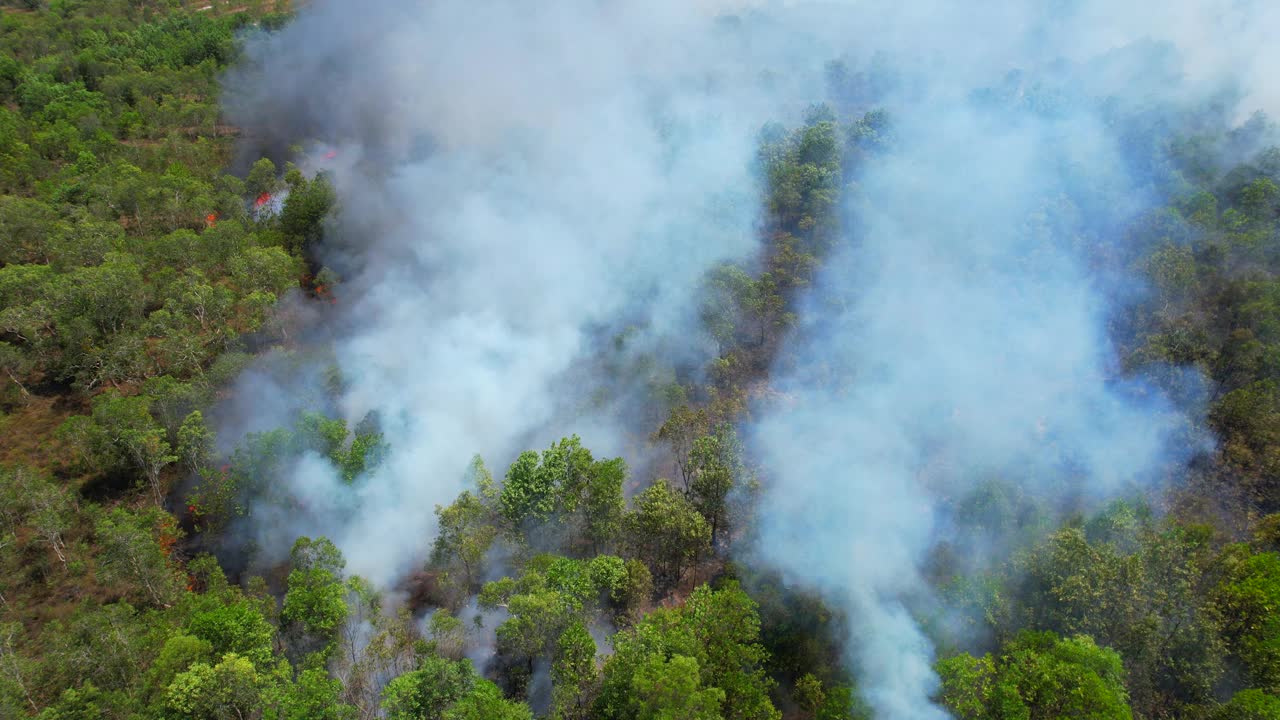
{"x":962,"y":332}
{"x":516,"y":180}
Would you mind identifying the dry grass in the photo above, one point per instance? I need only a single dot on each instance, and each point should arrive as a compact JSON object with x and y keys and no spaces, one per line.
{"x":28,"y":429}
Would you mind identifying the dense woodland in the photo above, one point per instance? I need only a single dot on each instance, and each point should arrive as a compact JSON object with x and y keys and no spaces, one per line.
{"x":139,"y":276}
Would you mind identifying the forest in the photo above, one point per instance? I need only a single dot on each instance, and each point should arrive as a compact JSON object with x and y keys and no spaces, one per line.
{"x":638,"y":361}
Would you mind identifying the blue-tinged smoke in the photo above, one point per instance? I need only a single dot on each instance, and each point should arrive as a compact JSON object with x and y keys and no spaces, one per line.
{"x":961,"y":332}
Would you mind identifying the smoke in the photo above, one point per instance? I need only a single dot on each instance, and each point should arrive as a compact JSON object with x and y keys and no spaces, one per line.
{"x":518,"y":184}
{"x":962,"y":331}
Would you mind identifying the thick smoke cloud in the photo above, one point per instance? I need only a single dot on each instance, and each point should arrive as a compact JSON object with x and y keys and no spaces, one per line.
{"x":516,"y":180}
{"x":517,"y":177}
{"x":962,"y":333}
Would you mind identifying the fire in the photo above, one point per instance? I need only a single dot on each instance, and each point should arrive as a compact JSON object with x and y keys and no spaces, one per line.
{"x":263,"y":199}
{"x":331,"y":155}
{"x":210,"y":219}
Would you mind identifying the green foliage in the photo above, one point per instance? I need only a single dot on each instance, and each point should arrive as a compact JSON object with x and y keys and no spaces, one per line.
{"x":1249,"y":705}
{"x":448,"y":634}
{"x":302,"y":219}
{"x":316,"y":599}
{"x":485,"y":702}
{"x":236,"y":628}
{"x":426,"y":693}
{"x":313,"y":696}
{"x":1248,"y":598}
{"x":634,"y":591}
{"x":601,"y":503}
{"x":726,"y":624}
{"x":229,"y":690}
{"x":968,"y":685}
{"x":233,"y":489}
{"x":1037,"y":675}
{"x":574,"y":674}
{"x":262,"y":178}
{"x":1138,"y":585}
{"x":121,"y":433}
{"x":666,"y":531}
{"x":133,"y":555}
{"x":465,"y":533}
{"x":715,"y":464}
{"x":105,"y":645}
{"x":528,"y":493}
{"x":566,"y":483}
{"x":670,"y":690}
{"x":84,"y":703}
{"x":718,"y":630}
{"x":31,"y":502}
{"x":178,"y":653}
{"x":195,"y":442}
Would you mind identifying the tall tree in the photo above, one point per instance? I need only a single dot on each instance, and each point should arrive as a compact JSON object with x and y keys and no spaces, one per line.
{"x":315,"y":602}
{"x":465,"y":535}
{"x":426,"y":693}
{"x":717,"y":462}
{"x":666,"y":531}
{"x":1037,"y":675}
{"x":574,"y":674}
{"x":672,"y":690}
{"x":133,"y":556}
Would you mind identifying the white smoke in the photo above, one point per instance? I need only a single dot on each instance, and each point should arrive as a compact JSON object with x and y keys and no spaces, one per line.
{"x":513,"y":178}
{"x":970,"y":330}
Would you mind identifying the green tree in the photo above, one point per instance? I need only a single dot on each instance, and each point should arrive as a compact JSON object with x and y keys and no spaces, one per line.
{"x":666,"y":531}
{"x":726,"y":623}
{"x":671,"y":690}
{"x":16,"y":364}
{"x":537,"y":620}
{"x":131,"y":554}
{"x":106,"y":645}
{"x":485,"y":702}
{"x":15,"y":671}
{"x":635,"y":590}
{"x":574,"y":674}
{"x":230,"y":690}
{"x":122,"y":429}
{"x":1038,"y":675}
{"x":236,"y":627}
{"x":315,"y":602}
{"x":603,"y":504}
{"x":716,"y":461}
{"x":195,"y":442}
{"x":528,"y":492}
{"x":1139,"y":588}
{"x":313,"y":696}
{"x":426,"y":693}
{"x":1247,"y":598}
{"x":86,"y":702}
{"x":178,"y":653}
{"x":449,"y":634}
{"x":968,"y":685}
{"x":304,"y":211}
{"x":464,"y":537}
{"x":719,"y":630}
{"x":1249,"y":705}
{"x":810,"y":695}
{"x":566,"y":483}
{"x":30,"y":500}
{"x":262,"y":178}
